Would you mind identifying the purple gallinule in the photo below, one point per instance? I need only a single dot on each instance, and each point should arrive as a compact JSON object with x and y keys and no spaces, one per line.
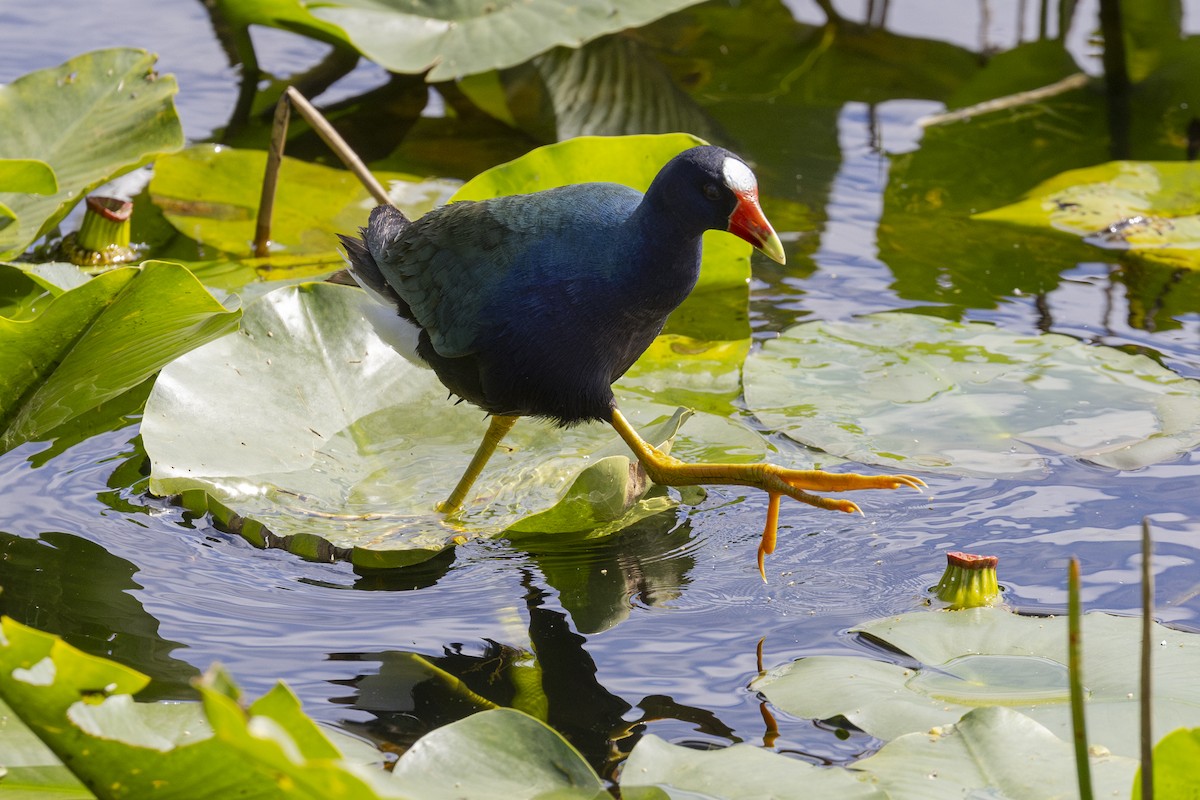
{"x":533,"y":305}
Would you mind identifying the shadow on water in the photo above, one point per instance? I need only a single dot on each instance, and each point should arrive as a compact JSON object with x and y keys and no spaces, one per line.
{"x":554,"y":679}
{"x":67,"y":585}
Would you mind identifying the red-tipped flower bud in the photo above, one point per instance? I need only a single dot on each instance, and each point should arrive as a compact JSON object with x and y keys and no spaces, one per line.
{"x":969,"y":581}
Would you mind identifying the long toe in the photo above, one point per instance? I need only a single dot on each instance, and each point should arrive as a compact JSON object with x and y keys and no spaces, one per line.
{"x":821,"y":481}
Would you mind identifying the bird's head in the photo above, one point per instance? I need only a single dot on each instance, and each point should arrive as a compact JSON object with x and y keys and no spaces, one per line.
{"x":712,"y":185}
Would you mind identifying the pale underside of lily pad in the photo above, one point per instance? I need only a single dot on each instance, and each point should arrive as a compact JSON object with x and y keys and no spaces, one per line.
{"x":306,"y":422}
{"x":991,"y":657}
{"x":992,"y":752}
{"x":909,"y":391}
{"x":455,"y":39}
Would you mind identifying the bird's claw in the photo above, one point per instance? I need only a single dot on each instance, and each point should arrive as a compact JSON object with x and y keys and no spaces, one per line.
{"x":778,"y":481}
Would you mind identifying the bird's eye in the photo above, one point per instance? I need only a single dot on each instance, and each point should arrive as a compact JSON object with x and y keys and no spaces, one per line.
{"x":711,"y":191}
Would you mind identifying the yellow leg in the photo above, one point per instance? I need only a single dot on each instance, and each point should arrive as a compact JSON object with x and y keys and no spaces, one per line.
{"x":497,"y":428}
{"x":775,"y":480}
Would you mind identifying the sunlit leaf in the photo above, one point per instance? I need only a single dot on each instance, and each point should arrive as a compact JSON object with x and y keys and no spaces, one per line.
{"x":81,"y":707}
{"x":96,"y":341}
{"x":452,"y":40}
{"x":705,"y":375}
{"x":904,"y":390}
{"x":305,"y":422}
{"x":93,"y":118}
{"x":1150,"y":208}
{"x":26,"y":288}
{"x":30,"y":769}
{"x":1175,"y":772}
{"x":989,"y":656}
{"x":496,"y":755}
{"x":211,"y":194}
{"x":27,"y":176}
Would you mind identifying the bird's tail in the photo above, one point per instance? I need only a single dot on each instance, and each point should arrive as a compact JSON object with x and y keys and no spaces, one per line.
{"x":385,"y":224}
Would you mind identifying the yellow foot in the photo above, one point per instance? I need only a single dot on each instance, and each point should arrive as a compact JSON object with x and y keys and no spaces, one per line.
{"x":775,"y":480}
{"x":779,"y":481}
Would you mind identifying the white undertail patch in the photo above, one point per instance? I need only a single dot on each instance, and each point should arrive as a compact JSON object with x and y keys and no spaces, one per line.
{"x":738,"y":177}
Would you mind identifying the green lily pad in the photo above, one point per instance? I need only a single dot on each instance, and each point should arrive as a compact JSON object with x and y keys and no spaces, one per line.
{"x":451,"y":40}
{"x":96,"y":341}
{"x":81,"y":707}
{"x":500,"y":754}
{"x":704,"y":375}
{"x":25,"y":288}
{"x":91,"y":119}
{"x":211,"y":194}
{"x":915,"y":392}
{"x":1151,"y":208}
{"x":992,"y":657}
{"x":1174,"y":766}
{"x":306,"y":423}
{"x":992,"y":752}
{"x":660,"y":771}
{"x":64,"y":706}
{"x":28,"y":768}
{"x":27,"y":175}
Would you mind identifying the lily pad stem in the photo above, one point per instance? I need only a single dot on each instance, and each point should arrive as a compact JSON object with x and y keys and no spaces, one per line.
{"x":292,"y":98}
{"x":1147,"y":743}
{"x":1075,"y":673}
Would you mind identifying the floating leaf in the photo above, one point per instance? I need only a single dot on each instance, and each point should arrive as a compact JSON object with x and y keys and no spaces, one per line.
{"x":904,"y":390}
{"x":120,"y":114}
{"x":496,"y":755}
{"x":82,"y":708}
{"x":305,"y":422}
{"x":698,"y":374}
{"x":451,"y":40}
{"x":1175,"y":772}
{"x":992,"y":752}
{"x":660,"y":771}
{"x":211,"y":194}
{"x":97,"y":340}
{"x":1151,"y":208}
{"x":986,"y":657}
